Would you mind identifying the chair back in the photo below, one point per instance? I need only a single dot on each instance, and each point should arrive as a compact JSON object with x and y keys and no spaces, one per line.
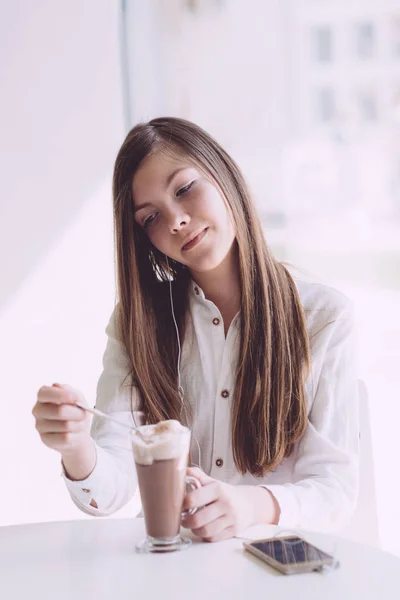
{"x":364,"y":524}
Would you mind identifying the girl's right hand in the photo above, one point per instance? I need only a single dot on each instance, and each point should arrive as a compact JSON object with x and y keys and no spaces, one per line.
{"x":62,"y":425}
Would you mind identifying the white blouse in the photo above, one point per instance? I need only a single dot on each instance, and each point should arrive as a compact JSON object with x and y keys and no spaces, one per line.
{"x":316,"y":487}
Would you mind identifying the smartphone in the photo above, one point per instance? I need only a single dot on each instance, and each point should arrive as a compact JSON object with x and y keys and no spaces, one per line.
{"x":290,"y":554}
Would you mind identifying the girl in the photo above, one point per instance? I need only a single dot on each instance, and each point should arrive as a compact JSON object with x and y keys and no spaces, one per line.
{"x":211,"y":330}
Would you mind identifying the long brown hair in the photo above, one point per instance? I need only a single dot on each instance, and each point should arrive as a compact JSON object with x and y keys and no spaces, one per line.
{"x":269,"y":413}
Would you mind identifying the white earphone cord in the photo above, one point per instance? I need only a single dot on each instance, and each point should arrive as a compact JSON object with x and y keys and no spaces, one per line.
{"x":180,"y":388}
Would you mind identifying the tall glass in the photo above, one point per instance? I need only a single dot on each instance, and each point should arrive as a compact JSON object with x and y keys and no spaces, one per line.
{"x":161,"y":455}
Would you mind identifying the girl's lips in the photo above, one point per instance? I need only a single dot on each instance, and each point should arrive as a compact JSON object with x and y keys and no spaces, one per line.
{"x":195,"y":240}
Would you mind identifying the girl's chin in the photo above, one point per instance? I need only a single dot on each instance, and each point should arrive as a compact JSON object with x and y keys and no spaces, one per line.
{"x":205,"y":265}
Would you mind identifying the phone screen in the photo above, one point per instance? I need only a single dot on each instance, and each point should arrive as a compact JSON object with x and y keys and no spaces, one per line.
{"x":293,"y":550}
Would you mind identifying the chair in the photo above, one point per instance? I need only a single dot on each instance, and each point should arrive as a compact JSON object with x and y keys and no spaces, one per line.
{"x":364,"y":524}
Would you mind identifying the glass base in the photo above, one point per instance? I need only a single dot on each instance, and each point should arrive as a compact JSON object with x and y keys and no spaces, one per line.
{"x":173,"y":544}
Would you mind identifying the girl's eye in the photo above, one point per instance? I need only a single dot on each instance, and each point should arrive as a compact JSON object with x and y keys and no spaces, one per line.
{"x":185,"y":189}
{"x":149,"y":220}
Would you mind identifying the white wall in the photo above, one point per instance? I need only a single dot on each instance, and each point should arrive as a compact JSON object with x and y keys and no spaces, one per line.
{"x":61,"y":125}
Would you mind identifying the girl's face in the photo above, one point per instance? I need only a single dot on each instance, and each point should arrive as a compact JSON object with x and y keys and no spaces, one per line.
{"x":183,"y":212}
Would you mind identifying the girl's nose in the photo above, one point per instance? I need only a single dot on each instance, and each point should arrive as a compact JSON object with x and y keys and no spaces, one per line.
{"x":178,"y":222}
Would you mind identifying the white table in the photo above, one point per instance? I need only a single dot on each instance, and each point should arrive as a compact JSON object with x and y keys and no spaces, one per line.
{"x":95,"y":559}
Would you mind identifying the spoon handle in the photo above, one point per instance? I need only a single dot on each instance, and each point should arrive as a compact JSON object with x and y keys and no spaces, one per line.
{"x":99,"y":413}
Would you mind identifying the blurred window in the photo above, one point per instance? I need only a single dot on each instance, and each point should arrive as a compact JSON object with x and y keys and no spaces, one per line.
{"x":325,"y":104}
{"x":364,"y":40}
{"x":322,"y":44}
{"x":395,"y":26}
{"x":367,"y":105}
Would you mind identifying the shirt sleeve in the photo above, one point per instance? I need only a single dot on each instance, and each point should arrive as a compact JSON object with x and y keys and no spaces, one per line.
{"x":112,"y":482}
{"x":326,"y":471}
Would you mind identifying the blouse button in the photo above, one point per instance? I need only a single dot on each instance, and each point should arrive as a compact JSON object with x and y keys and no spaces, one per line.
{"x":225,"y":393}
{"x":196,"y":291}
{"x":216,"y":321}
{"x":219,"y":462}
{"x":86,"y":490}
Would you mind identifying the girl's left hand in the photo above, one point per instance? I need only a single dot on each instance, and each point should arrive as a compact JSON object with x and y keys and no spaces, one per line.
{"x":226,"y":510}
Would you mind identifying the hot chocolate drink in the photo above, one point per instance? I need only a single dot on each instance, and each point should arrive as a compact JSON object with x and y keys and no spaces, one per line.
{"x":162,"y":489}
{"x":161,"y":456}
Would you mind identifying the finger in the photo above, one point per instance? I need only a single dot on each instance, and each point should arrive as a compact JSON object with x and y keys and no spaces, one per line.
{"x":202,"y":496}
{"x":56,"y":395}
{"x":51,"y":426}
{"x":213,"y":529}
{"x":59,"y":412}
{"x":59,"y":440}
{"x":203,"y":517}
{"x":226,"y":534}
{"x":200,"y":475}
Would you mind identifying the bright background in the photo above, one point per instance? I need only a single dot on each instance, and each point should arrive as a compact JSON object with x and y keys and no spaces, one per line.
{"x":305,"y":94}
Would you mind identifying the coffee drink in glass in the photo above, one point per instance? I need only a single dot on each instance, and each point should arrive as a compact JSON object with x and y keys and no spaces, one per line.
{"x":161,"y":455}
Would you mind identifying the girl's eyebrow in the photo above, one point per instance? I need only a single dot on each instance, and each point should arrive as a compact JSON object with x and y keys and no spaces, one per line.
{"x":137,"y":208}
{"x":172,"y":175}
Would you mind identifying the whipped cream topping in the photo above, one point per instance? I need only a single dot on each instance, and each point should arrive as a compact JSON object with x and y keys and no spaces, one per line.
{"x":163,"y":441}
